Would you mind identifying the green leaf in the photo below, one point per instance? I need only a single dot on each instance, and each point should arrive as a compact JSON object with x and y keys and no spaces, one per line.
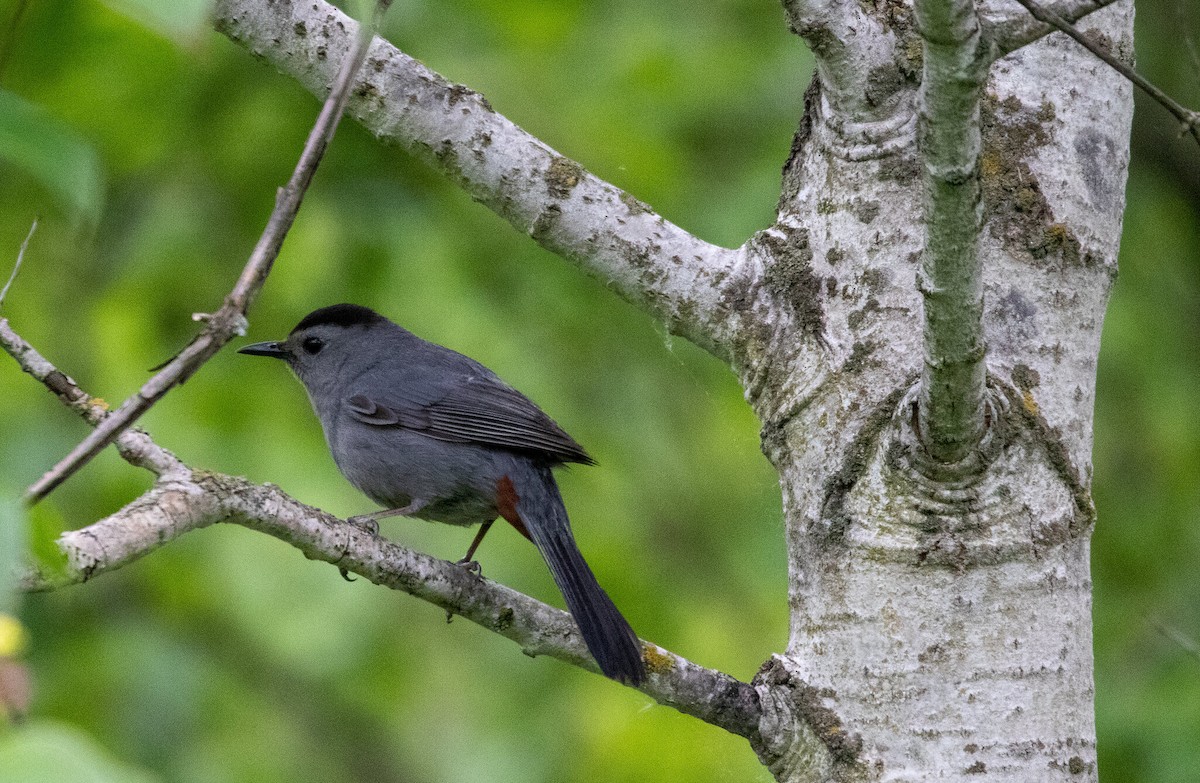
{"x":44,"y":752}
{"x":180,"y":20}
{"x":54,"y":154}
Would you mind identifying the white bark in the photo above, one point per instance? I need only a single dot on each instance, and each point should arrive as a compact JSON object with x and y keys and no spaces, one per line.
{"x":947,"y":625}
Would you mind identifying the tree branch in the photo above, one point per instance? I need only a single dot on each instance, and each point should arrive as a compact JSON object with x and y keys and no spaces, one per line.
{"x":951,"y":407}
{"x":1005,"y":34}
{"x":182,"y":501}
{"x":676,"y":277}
{"x":230,"y":320}
{"x":173,"y":508}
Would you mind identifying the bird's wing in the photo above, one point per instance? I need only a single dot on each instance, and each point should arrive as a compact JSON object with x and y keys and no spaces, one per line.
{"x":468,"y":407}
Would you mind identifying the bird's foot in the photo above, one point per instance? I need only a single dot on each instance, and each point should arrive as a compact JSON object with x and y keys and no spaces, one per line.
{"x":366,"y":523}
{"x":471,"y":565}
{"x":346,"y":574}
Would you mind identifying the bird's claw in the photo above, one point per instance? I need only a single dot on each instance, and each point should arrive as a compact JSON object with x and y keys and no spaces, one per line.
{"x":346,"y":574}
{"x":471,"y":566}
{"x":365,"y":523}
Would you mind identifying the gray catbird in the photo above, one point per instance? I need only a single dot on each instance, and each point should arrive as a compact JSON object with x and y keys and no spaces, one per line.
{"x":427,"y":432}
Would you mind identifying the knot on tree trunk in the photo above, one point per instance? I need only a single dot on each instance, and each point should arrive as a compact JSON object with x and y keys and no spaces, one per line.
{"x":1019,"y":494}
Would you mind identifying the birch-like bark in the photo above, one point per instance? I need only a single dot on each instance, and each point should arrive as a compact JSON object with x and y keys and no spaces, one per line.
{"x":946,"y":624}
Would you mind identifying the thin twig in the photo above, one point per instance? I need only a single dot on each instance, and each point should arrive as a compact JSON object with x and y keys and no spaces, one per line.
{"x":230,"y":320}
{"x":1189,"y":120}
{"x":20,"y":258}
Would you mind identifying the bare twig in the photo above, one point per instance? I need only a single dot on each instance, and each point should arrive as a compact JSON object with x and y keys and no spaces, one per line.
{"x":20,"y":258}
{"x":1189,"y":120}
{"x":230,"y":320}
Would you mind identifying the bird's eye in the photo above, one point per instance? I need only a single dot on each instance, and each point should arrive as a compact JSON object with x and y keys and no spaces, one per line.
{"x":312,"y":345}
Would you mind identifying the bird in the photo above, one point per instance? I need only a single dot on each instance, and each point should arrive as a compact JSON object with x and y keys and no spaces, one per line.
{"x":427,"y":432}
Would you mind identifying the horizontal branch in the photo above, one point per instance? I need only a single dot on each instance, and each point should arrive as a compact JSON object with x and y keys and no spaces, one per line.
{"x":173,"y":508}
{"x":1005,"y":34}
{"x":182,"y":501}
{"x":654,"y":264}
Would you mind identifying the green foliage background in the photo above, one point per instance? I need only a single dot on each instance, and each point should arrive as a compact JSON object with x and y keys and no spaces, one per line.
{"x":228,"y":657}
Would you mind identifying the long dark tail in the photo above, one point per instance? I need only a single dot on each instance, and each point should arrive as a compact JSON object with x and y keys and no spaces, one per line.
{"x":607,"y":634}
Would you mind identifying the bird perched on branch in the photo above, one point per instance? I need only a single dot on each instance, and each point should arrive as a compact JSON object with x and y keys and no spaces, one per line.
{"x":427,"y":432}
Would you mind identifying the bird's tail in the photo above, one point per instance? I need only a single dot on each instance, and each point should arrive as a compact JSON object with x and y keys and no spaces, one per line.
{"x":539,"y":507}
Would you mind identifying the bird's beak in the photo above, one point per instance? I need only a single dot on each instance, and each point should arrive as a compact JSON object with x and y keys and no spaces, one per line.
{"x":272,"y":349}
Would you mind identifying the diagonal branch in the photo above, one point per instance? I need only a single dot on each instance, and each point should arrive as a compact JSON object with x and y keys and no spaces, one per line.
{"x":951,"y":403}
{"x":654,"y":264}
{"x":135,"y":446}
{"x":182,"y":501}
{"x":230,"y":320}
{"x":1005,"y":34}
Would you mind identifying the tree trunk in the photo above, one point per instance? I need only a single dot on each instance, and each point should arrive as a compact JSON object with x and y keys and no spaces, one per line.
{"x":941,"y":626}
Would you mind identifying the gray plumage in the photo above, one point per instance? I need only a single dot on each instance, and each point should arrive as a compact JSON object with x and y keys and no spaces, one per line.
{"x":420,"y":428}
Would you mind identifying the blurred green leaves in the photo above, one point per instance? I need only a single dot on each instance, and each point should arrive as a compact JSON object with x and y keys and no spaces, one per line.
{"x":50,"y":752}
{"x":184,"y":21}
{"x":13,"y":551}
{"x":54,"y":154}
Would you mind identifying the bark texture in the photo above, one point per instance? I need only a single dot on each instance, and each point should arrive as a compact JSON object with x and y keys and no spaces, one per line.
{"x":946,"y":621}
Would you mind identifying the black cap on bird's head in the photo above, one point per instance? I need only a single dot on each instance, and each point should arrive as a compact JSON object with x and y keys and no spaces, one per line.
{"x":340,"y":315}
